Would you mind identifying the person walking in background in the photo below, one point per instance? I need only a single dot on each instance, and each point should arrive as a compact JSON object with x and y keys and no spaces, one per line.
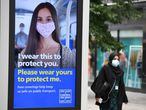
{"x":109,"y":86}
{"x":21,"y":38}
{"x":20,"y":41}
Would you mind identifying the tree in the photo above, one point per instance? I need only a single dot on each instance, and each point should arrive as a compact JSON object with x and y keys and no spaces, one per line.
{"x":101,"y":14}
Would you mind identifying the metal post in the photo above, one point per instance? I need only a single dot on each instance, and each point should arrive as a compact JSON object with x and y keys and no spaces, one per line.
{"x":144,"y":57}
{"x":118,"y":35}
{"x":118,"y":38}
{"x":95,"y":62}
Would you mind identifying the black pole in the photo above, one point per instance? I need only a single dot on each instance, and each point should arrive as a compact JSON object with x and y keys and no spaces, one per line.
{"x":95,"y":61}
{"x":118,"y":38}
{"x":144,"y":61}
{"x":118,"y":35}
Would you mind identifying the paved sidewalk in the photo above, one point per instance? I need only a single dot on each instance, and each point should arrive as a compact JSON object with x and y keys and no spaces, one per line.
{"x":137,"y":101}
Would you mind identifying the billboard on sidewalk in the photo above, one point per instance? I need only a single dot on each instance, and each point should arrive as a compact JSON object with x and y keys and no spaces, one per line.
{"x":45,"y":54}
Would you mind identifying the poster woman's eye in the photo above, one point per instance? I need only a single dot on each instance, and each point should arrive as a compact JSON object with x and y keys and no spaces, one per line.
{"x":39,"y":19}
{"x":49,"y":19}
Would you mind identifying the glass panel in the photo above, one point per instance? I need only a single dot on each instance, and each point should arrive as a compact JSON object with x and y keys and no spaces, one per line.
{"x":134,"y":71}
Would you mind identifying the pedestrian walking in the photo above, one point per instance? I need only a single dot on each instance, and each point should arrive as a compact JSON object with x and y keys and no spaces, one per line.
{"x":109,"y":87}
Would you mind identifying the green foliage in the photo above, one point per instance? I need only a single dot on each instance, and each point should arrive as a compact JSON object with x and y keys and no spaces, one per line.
{"x":102,"y":14}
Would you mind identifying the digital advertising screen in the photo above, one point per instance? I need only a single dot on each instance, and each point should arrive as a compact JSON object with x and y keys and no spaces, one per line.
{"x":45,"y":55}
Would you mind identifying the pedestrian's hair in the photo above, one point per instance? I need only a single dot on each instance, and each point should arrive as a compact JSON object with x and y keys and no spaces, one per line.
{"x":34,"y":36}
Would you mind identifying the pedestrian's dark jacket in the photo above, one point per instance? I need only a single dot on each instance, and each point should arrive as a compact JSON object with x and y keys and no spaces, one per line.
{"x":109,"y":74}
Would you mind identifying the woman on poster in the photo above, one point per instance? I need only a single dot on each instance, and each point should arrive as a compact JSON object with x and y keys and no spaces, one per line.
{"x":44,"y":35}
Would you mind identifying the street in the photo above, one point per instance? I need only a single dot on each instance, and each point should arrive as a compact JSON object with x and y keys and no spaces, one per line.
{"x":137,"y":101}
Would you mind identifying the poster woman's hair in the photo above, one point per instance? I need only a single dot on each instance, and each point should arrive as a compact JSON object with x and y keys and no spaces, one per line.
{"x":34,"y":36}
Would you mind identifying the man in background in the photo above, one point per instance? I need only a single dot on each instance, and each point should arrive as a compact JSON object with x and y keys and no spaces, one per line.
{"x":21,"y":38}
{"x":20,"y":41}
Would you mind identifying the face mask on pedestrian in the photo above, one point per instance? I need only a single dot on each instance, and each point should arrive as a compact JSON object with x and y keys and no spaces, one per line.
{"x":45,"y":29}
{"x":115,"y":63}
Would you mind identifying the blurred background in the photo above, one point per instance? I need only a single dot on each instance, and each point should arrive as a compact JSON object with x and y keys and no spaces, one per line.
{"x":119,"y":25}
